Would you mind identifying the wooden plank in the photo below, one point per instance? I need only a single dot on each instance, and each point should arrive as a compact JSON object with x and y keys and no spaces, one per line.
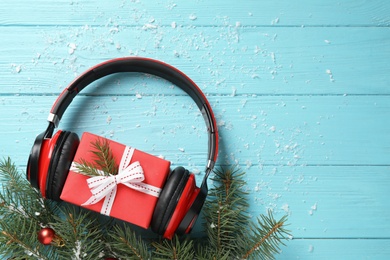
{"x":324,"y":202}
{"x":261,"y":61}
{"x":324,"y":249}
{"x":254,"y":130}
{"x":201,"y":13}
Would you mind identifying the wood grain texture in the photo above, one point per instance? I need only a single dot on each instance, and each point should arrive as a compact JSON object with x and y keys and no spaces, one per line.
{"x":262,"y":61}
{"x":287,"y":130}
{"x":339,"y":249}
{"x":301,"y":92}
{"x":199,"y":13}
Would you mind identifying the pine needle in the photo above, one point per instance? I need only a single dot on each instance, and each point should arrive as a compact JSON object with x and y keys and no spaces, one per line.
{"x":125,"y":244}
{"x":9,"y":174}
{"x":87,"y":168}
{"x":266,"y":237}
{"x":103,"y":161}
{"x":79,"y":231}
{"x":174,"y":249}
{"x":225,"y":211}
{"x":103,"y":156}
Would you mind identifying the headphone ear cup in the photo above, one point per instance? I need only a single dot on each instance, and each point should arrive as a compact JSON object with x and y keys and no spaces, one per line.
{"x":32,"y":170}
{"x":168,"y":199}
{"x":63,"y":154}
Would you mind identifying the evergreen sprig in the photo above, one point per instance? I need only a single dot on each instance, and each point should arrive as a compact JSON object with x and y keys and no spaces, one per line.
{"x":226,"y":211}
{"x":103,"y":160}
{"x":23,"y":213}
{"x":230,"y":232}
{"x":125,"y":244}
{"x":80,"y":232}
{"x":174,"y":249}
{"x":265,"y":237}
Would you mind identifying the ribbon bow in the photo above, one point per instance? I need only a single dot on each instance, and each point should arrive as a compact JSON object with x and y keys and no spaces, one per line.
{"x":105,"y":187}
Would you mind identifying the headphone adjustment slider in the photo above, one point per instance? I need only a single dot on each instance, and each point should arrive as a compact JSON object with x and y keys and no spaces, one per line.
{"x":53,"y":118}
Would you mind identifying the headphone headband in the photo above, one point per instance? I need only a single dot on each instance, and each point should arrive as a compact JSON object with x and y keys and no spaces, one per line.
{"x":148,"y":66}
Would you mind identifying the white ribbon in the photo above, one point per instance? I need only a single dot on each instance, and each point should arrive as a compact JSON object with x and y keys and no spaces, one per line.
{"x":130,"y":175}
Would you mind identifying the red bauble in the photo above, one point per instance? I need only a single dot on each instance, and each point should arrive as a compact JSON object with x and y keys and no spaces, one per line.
{"x":46,"y":235}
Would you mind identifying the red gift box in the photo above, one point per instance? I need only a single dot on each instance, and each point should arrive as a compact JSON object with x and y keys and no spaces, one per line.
{"x":134,"y":201}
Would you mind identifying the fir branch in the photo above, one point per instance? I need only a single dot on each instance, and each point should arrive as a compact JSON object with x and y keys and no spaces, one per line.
{"x":19,"y":199}
{"x":204,"y":253}
{"x":125,"y":244}
{"x":22,"y":212}
{"x":80,"y":232}
{"x":104,"y":158}
{"x":266,"y":237}
{"x":16,"y":240}
{"x":225,"y":211}
{"x":103,"y":161}
{"x":25,"y":248}
{"x":174,"y":249}
{"x":9,"y":173}
{"x":87,"y":168}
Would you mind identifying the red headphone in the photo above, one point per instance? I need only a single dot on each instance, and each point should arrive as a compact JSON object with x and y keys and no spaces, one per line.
{"x":51,"y":155}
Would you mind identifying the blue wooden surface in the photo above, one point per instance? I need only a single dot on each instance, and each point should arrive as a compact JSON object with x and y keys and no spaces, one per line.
{"x":301,"y":92}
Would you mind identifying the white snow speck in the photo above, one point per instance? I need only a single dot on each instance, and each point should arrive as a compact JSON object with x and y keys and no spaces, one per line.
{"x":173,"y":25}
{"x":193,"y":17}
{"x":329,"y":72}
{"x":182,"y":150}
{"x":72,"y":48}
{"x":149,"y":26}
{"x":273,"y":57}
{"x":139,"y":96}
{"x":18,"y":69}
{"x":285,"y":207}
{"x":313,"y":208}
{"x":275,"y":21}
{"x":114,"y":30}
{"x":109,"y":119}
{"x":234,"y":91}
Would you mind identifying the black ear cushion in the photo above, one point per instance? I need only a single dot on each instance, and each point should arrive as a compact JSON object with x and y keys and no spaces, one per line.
{"x":168,"y":199}
{"x":63,"y":154}
{"x":33,"y":159}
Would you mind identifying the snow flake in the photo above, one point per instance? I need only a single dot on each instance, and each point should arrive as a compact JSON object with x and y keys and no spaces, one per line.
{"x":72,"y":48}
{"x":193,"y":17}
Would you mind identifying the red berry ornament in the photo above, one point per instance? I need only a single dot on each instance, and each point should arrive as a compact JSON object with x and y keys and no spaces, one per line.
{"x":47,"y":236}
